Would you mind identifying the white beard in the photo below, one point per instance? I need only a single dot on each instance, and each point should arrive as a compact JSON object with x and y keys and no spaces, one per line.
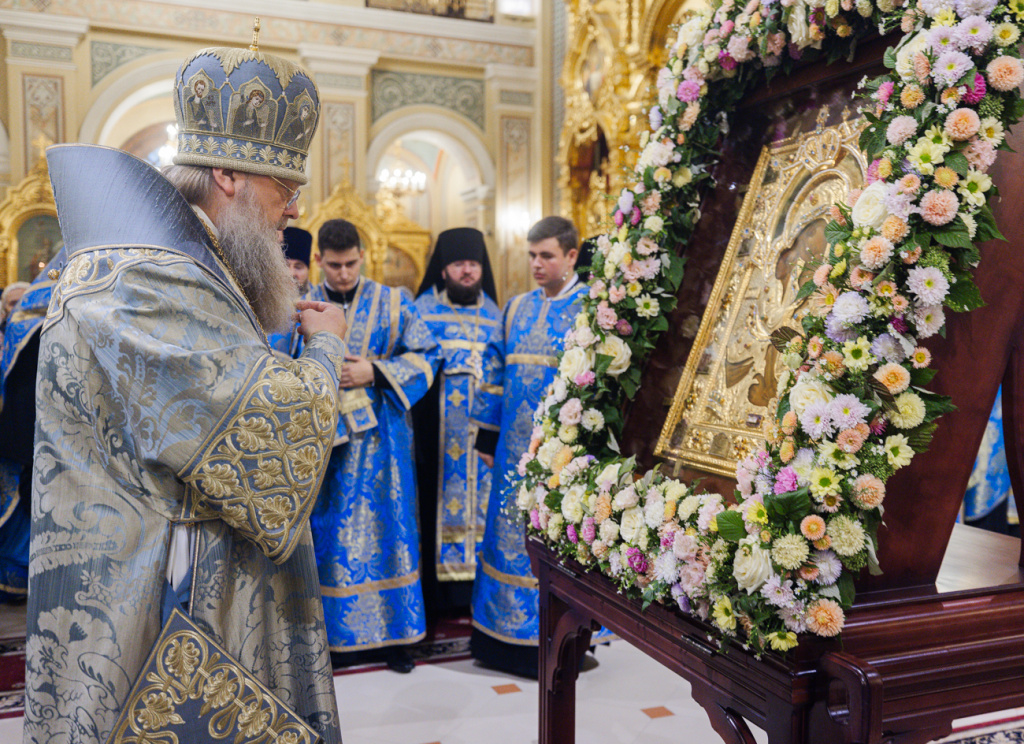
{"x":254,"y":253}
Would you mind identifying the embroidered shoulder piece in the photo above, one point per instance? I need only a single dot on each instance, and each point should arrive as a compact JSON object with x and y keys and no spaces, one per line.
{"x":260,"y":470}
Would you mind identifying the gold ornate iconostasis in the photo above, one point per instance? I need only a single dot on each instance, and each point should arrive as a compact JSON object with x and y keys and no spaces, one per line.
{"x":29,"y":231}
{"x":395,"y":247}
{"x":615,"y":49}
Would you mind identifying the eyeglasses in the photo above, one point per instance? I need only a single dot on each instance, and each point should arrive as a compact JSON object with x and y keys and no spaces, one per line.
{"x":294,"y":195}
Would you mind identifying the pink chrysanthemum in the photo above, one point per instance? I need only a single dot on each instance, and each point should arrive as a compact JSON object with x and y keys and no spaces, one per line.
{"x":825,"y":618}
{"x":876,"y":252}
{"x":909,"y":184}
{"x":938,"y":207}
{"x":928,"y":283}
{"x":1005,"y":73}
{"x":850,"y":440}
{"x":688,"y":91}
{"x":868,"y":492}
{"x":901,"y":129}
{"x":962,"y":124}
{"x":980,"y":154}
{"x":974,"y":33}
{"x":975,"y":91}
{"x":921,"y":357}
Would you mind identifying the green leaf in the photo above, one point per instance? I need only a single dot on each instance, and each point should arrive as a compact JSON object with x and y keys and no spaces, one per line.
{"x":730,"y":526}
{"x":601,"y":364}
{"x":780,"y":337}
{"x":935,"y":404}
{"x":676,"y":265}
{"x":890,"y":58}
{"x":964,"y":295}
{"x":921,"y":437}
{"x":879,"y":389}
{"x":847,"y":591}
{"x":793,"y":506}
{"x":872,"y":140}
{"x":987,"y":228}
{"x":835,"y":233}
{"x":921,"y":377}
{"x":957,"y":161}
{"x":806,"y":290}
{"x":629,"y":387}
{"x":953,"y":235}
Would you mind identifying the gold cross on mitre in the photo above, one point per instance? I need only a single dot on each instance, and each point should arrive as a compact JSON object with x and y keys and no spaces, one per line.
{"x":255,"y":46}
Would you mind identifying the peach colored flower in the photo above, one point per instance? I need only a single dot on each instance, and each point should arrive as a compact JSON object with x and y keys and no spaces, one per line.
{"x":825,"y":618}
{"x":894,"y":376}
{"x":884,"y":168}
{"x":1005,"y":73}
{"x":824,"y":543}
{"x":821,"y":274}
{"x":876,"y":252}
{"x":899,"y":302}
{"x":939,"y":207}
{"x":911,"y":97}
{"x":562,"y":459}
{"x":850,"y":441}
{"x":894,"y":229}
{"x":947,"y":178}
{"x":950,"y":96}
{"x":812,"y":527}
{"x":868,"y":492}
{"x":962,"y":124}
{"x":853,"y":196}
{"x":832,"y":362}
{"x":808,"y":573}
{"x":689,"y":117}
{"x":885,"y":289}
{"x":909,"y":184}
{"x":787,"y":451}
{"x":922,"y":68}
{"x":864,"y":429}
{"x":821,"y":302}
{"x":814,"y":347}
{"x":921,"y":357}
{"x":789,"y":422}
{"x":860,"y":277}
{"x":602,"y":508}
{"x":837,"y":214}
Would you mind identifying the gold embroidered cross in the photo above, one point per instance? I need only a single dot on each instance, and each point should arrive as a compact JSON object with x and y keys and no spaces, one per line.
{"x":455,"y":451}
{"x":456,"y":399}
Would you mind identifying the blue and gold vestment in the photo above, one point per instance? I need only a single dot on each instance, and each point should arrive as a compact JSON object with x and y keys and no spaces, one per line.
{"x":989,"y":492}
{"x":159,"y":403}
{"x":519,"y":364}
{"x":364,"y":523}
{"x":17,"y":429}
{"x":463,"y":481}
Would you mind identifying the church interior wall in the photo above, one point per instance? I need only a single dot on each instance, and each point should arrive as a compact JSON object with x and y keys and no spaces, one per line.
{"x":100,"y":71}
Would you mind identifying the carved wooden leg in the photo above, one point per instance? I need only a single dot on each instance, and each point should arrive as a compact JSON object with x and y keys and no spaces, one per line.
{"x":727,"y":723}
{"x":564,"y":638}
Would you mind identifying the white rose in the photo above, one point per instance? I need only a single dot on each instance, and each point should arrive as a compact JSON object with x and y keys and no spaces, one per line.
{"x":692,"y":32}
{"x":752,"y":565}
{"x":869,"y":211}
{"x":614,"y":258}
{"x":799,"y":28}
{"x":633,"y":525}
{"x":525,"y":499}
{"x":609,"y":531}
{"x":572,"y":504}
{"x":547,"y":452}
{"x":625,"y":499}
{"x":610,"y":474}
{"x":807,"y":390}
{"x":575,"y":362}
{"x":654,"y":223}
{"x":905,"y":56}
{"x":620,"y":353}
{"x":585,"y":337}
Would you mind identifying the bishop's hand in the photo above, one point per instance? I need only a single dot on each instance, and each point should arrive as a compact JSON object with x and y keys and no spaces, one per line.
{"x":315,"y":317}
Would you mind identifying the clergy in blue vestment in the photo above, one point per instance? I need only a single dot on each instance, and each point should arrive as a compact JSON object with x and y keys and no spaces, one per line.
{"x":519,"y":363}
{"x":988,"y":502}
{"x":456,"y":302}
{"x":364,"y":523}
{"x":177,"y":459}
{"x":20,"y":352}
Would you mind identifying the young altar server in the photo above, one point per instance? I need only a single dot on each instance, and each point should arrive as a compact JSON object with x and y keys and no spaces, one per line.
{"x":519,"y":364}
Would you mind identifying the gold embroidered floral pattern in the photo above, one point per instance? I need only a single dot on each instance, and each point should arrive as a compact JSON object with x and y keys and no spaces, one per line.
{"x":186,"y":667}
{"x":260,"y":471}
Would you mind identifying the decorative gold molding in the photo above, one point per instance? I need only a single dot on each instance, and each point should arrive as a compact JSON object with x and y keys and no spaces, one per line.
{"x":730,"y":379}
{"x":32,"y":197}
{"x":615,"y":49}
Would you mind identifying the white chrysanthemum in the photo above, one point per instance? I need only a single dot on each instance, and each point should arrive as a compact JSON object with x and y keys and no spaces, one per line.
{"x":572,"y":504}
{"x":909,"y":411}
{"x":688,"y":507}
{"x":847,"y":535}
{"x":632,"y":525}
{"x":609,"y":531}
{"x":929,"y":320}
{"x":654,"y":510}
{"x":593,"y":420}
{"x":790,"y":551}
{"x":666,"y":567}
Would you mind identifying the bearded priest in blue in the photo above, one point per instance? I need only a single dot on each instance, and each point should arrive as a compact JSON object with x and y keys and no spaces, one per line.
{"x":20,"y":352}
{"x":519,"y":364}
{"x":364,"y":523}
{"x":456,"y":302}
{"x":177,"y":459}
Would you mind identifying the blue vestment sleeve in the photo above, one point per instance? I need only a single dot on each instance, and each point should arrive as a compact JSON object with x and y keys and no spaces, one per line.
{"x":486,"y":414}
{"x":416,"y":355}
